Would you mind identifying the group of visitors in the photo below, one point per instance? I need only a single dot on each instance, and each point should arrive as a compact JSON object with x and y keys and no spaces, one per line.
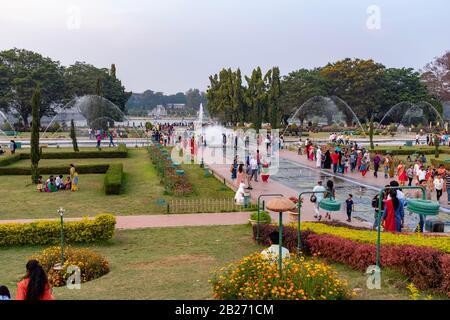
{"x":33,"y":286}
{"x":53,"y":184}
{"x":244,"y":173}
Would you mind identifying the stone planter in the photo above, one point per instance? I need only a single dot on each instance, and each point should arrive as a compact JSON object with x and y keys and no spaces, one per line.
{"x":254,"y":222}
{"x":293,"y":216}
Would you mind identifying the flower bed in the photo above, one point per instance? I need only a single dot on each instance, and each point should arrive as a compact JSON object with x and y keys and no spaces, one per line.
{"x":92,"y":265}
{"x":174,"y":183}
{"x":368,"y":236}
{"x":255,"y":278}
{"x":427,"y":268}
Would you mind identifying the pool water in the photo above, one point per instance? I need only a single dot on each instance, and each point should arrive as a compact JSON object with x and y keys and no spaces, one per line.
{"x":302,"y":178}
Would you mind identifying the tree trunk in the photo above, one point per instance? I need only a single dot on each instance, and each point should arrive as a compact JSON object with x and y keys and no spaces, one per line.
{"x":371,"y":133}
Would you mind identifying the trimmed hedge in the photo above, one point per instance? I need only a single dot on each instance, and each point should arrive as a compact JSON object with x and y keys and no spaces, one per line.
{"x":404,"y":151}
{"x":48,"y":232}
{"x":114,"y":178}
{"x":121,"y":152}
{"x":7,"y":160}
{"x":84,"y":169}
{"x":427,"y":268}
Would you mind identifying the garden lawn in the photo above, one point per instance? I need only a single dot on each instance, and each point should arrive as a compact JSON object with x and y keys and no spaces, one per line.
{"x":19,"y":198}
{"x":174,"y":263}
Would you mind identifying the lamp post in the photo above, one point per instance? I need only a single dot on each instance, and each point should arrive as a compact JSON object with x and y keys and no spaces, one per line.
{"x":61,"y":214}
{"x":280,"y":205}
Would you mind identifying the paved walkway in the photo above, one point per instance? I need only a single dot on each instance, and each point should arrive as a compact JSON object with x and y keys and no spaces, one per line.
{"x":159,"y":221}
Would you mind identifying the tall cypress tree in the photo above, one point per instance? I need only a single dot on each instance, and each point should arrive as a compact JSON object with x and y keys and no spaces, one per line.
{"x":73,"y":136}
{"x":34,"y":141}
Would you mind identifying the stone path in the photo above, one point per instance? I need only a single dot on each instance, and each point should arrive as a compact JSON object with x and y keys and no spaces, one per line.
{"x":159,"y":221}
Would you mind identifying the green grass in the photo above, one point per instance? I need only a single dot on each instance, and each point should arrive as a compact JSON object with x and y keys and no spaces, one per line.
{"x":175,"y":263}
{"x":19,"y":198}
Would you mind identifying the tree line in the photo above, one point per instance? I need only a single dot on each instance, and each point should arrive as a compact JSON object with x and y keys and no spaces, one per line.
{"x":21,"y":71}
{"x":141,"y":103}
{"x":368,"y":87}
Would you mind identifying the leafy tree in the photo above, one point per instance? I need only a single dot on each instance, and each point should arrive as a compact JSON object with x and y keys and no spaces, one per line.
{"x":273,"y":95}
{"x":34,"y":141}
{"x":73,"y":136}
{"x":194,"y":98}
{"x":359,"y":83}
{"x":436,"y":76}
{"x":27,"y":69}
{"x":298,"y":87}
{"x":256,"y":97}
{"x":84,"y":79}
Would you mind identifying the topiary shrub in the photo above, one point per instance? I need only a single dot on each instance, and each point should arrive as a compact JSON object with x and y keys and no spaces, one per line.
{"x":114,"y":179}
{"x":263,"y":216}
{"x":48,"y":232}
{"x":7,"y":160}
{"x":92,"y":265}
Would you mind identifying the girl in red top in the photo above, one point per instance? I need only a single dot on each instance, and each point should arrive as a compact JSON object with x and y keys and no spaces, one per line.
{"x":35,"y":284}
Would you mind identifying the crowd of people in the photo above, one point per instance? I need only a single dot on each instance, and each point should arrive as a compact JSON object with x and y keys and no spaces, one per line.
{"x":53,"y":184}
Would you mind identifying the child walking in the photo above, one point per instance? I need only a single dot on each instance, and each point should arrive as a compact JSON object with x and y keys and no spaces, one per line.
{"x":350,"y":207}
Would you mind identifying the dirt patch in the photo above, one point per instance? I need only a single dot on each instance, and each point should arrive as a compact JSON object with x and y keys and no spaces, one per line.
{"x":179,"y":260}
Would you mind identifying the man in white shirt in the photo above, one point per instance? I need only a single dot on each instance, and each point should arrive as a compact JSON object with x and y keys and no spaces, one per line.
{"x":421,"y":174}
{"x":319,"y":197}
{"x":273,"y":252}
{"x":254,"y":168}
{"x":439,"y":186}
{"x":59,"y":182}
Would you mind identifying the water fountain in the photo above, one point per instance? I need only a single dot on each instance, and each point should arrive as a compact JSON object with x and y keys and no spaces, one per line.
{"x":326,"y":111}
{"x":5,"y":125}
{"x":409,"y":114}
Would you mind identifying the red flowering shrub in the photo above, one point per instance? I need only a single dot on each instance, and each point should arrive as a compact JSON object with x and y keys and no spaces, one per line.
{"x":426,"y":267}
{"x":445,"y":267}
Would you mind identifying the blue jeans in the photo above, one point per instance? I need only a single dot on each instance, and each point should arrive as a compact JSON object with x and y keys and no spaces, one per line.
{"x":335,"y":167}
{"x":448,"y":194}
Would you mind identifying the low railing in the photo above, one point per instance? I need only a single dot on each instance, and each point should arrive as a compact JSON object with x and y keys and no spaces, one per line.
{"x":206,"y":205}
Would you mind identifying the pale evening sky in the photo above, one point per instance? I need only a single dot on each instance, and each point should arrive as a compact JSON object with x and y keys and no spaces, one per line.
{"x":174,"y":45}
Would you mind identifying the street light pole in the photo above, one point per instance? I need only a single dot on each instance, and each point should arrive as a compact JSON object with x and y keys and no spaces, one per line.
{"x":61,"y":214}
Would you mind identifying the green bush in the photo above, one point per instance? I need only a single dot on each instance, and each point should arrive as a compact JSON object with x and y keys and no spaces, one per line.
{"x":114,"y":178}
{"x":61,"y":169}
{"x":7,"y":160}
{"x":92,"y":265}
{"x":48,"y":232}
{"x":263,"y":216}
{"x":404,"y":151}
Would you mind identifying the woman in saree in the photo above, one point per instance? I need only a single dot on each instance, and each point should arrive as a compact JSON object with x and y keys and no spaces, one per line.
{"x":327,"y":162}
{"x":75,"y":181}
{"x":401,"y":172}
{"x":393,"y":216}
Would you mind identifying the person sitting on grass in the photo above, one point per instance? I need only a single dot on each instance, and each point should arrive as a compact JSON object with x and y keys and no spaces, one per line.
{"x":59,"y":182}
{"x":50,"y":185}
{"x":40,"y":185}
{"x":272,"y":253}
{"x":35,"y":285}
{"x":68,"y":183}
{"x":4,"y":293}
